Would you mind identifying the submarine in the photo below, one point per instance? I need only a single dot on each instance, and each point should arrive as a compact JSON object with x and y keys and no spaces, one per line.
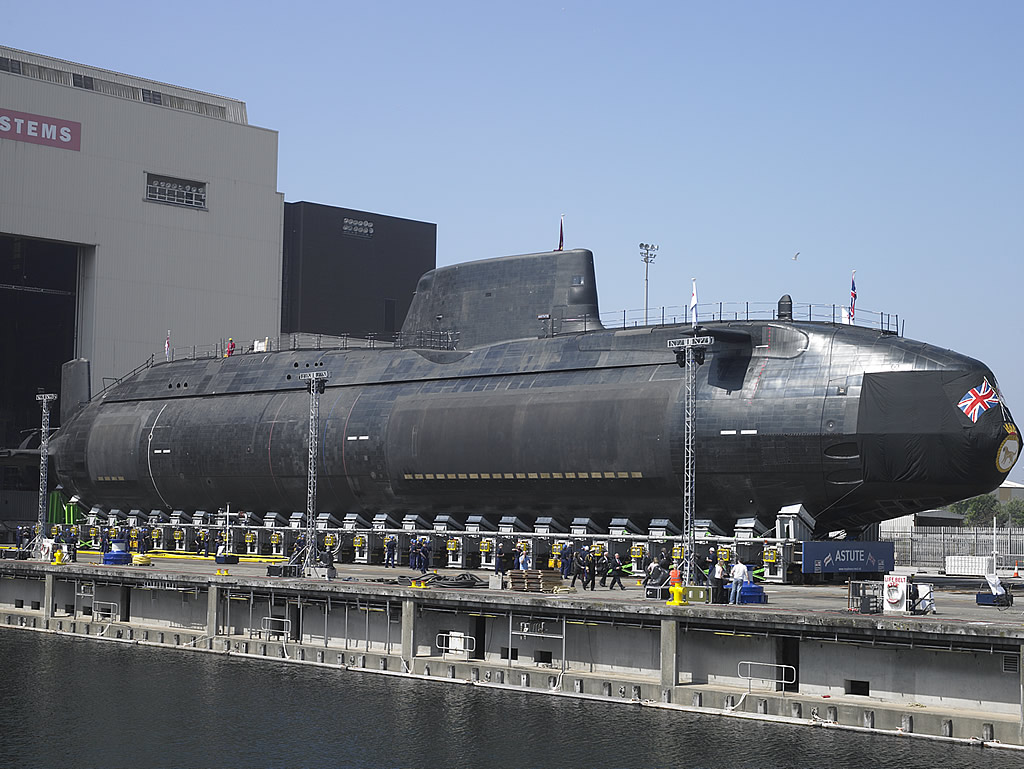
{"x":507,"y":396}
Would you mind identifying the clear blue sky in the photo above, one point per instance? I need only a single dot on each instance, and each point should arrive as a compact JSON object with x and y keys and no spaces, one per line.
{"x":876,"y":136}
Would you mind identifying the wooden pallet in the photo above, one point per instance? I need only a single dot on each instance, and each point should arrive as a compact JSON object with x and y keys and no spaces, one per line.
{"x":534,"y":580}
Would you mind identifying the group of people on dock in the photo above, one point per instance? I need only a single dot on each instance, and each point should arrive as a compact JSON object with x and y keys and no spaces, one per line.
{"x":717,"y":576}
{"x":519,"y":558}
{"x":585,"y":565}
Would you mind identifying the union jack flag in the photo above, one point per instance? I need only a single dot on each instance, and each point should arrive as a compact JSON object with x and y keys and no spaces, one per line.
{"x":978,"y":400}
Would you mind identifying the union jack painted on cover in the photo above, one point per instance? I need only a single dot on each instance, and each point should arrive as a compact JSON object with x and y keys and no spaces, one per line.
{"x":978,"y":400}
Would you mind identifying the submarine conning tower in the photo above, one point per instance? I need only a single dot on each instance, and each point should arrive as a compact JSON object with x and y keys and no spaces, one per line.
{"x":508,"y":297}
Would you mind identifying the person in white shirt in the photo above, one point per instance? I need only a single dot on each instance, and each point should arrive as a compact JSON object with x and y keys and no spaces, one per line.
{"x":739,"y":576}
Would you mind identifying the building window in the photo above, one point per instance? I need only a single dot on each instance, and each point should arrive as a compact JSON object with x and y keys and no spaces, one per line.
{"x":10,"y":65}
{"x":82,"y":81}
{"x":179,"y":192}
{"x":152,"y":97}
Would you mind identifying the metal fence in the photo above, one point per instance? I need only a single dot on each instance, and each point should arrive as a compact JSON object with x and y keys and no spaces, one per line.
{"x":724,"y":311}
{"x":928,"y":546}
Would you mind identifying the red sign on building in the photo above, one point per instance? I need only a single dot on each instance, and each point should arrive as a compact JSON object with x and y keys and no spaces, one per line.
{"x":39,"y":129}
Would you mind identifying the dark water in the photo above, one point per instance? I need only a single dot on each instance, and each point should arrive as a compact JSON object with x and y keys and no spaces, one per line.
{"x":69,"y":702}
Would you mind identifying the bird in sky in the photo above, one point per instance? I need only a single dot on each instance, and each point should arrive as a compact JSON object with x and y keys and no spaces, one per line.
{"x":796,"y":255}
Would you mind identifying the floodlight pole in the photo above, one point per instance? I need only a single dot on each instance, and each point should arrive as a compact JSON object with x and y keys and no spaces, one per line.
{"x":45,"y":399}
{"x":648,"y":252}
{"x":316,"y":380}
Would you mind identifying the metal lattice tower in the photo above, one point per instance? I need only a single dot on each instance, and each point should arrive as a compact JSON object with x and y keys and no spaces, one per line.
{"x":316,"y":383}
{"x":690,"y":354}
{"x":45,"y":399}
{"x":689,"y":414}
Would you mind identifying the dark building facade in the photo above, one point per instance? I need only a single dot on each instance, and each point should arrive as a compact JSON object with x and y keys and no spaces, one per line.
{"x":351,"y":272}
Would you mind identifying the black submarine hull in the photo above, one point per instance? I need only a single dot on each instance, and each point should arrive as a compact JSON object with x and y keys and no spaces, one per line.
{"x":856,"y":425}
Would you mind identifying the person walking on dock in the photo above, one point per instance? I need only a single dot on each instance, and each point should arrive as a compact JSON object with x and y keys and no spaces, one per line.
{"x":601,"y":564}
{"x":616,"y":571}
{"x":579,"y":570}
{"x":389,"y":552}
{"x":591,"y":575}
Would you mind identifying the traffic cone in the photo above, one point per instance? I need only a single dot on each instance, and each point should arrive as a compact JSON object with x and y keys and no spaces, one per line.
{"x":1015,"y":572}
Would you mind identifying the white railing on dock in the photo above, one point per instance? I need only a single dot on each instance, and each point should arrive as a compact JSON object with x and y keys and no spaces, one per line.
{"x":788,"y":673}
{"x":455,"y":643}
{"x":104,"y":610}
{"x":274,"y":626}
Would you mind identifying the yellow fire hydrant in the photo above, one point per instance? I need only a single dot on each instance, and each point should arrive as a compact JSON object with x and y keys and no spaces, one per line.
{"x":675,"y":587}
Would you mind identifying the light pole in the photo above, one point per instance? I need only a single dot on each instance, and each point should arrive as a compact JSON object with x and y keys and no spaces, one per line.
{"x":647,"y":253}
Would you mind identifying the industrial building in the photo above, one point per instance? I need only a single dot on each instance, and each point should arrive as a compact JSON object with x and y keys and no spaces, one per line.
{"x":351,"y":272}
{"x":128,"y":208}
{"x":132,"y":209}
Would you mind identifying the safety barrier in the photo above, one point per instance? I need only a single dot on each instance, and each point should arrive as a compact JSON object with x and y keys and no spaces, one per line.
{"x":104,"y":610}
{"x":455,"y":643}
{"x":273,"y":626}
{"x":788,"y":673}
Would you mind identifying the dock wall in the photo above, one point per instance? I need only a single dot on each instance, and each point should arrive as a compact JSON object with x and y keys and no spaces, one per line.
{"x":938,"y":680}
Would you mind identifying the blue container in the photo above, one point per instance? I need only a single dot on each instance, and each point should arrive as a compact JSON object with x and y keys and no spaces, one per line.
{"x":987,"y":599}
{"x":751,"y":593}
{"x":117,"y":558}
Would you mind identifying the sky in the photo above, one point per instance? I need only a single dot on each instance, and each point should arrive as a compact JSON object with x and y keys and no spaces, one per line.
{"x":879,"y":137}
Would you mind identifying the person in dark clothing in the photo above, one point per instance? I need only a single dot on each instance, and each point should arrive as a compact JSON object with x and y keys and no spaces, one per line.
{"x":579,"y":570}
{"x":718,"y":582}
{"x":424,"y":557}
{"x":389,"y":552}
{"x":566,"y":561}
{"x":414,"y":555}
{"x":72,"y":543}
{"x":616,"y":570}
{"x":499,"y":560}
{"x":591,"y":575}
{"x":707,"y":563}
{"x":602,"y":565}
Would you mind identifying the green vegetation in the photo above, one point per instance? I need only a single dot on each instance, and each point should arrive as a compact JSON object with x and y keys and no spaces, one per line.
{"x":979,"y":511}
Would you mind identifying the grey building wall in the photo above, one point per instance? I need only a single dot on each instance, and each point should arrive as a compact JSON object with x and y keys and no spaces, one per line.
{"x":146,"y":267}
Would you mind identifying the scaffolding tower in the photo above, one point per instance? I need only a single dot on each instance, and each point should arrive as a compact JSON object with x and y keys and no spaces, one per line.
{"x":45,"y":399}
{"x":690,"y":353}
{"x":316,"y":382}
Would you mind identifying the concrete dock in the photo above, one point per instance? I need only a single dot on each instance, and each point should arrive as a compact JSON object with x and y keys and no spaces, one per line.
{"x":802,"y":658}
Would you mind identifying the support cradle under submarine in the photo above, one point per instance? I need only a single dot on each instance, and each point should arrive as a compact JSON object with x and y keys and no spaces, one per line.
{"x":542,"y":411}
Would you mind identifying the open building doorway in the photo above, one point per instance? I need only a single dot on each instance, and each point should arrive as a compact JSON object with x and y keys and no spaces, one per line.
{"x":38,"y":310}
